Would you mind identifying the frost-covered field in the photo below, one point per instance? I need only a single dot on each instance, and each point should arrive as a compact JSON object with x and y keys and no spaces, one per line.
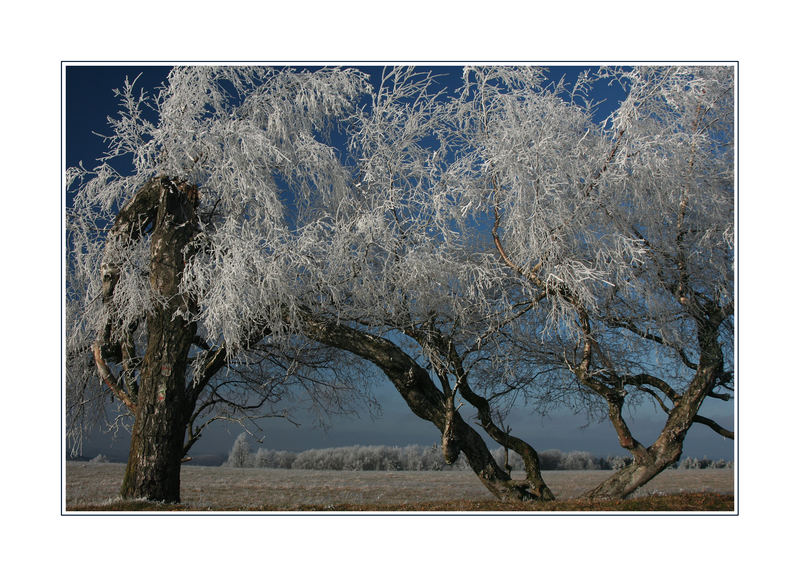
{"x":281,"y":489}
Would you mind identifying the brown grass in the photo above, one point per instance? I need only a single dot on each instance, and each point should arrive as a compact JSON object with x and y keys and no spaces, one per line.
{"x":697,"y":502}
{"x":94,"y":487}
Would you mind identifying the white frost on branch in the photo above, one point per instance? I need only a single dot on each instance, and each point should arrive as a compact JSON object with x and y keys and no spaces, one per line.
{"x":393,"y":228}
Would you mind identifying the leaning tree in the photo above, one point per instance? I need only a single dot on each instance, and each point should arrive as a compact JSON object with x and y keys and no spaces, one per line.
{"x":621,"y":229}
{"x":403,"y":285}
{"x":532,"y":248}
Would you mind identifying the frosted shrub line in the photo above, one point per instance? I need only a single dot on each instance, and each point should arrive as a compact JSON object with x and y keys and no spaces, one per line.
{"x":418,"y":458}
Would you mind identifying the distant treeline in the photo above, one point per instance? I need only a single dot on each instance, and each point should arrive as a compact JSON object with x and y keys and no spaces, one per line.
{"x":419,"y":458}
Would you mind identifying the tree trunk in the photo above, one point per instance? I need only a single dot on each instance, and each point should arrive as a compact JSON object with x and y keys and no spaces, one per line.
{"x":625,"y":481}
{"x":535,"y":483}
{"x":666,"y":450}
{"x":494,"y":477}
{"x":650,"y":461}
{"x":154,"y":460}
{"x":161,"y":409}
{"x":427,"y":402}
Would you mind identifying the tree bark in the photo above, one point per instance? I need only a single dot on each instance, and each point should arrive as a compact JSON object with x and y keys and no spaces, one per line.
{"x":529,"y":456}
{"x":161,"y":410}
{"x":666,"y":450}
{"x":156,"y":450}
{"x":426,"y":401}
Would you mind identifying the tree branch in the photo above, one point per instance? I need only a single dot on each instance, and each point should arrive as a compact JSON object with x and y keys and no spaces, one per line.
{"x":714,"y":426}
{"x":620,"y":324}
{"x":109,"y":379}
{"x":646,"y":379}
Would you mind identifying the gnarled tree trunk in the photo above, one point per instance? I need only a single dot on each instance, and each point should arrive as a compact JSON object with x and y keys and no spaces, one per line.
{"x":631,"y":477}
{"x":159,"y":400}
{"x":431,"y":337}
{"x":427,"y":402}
{"x":666,"y":450}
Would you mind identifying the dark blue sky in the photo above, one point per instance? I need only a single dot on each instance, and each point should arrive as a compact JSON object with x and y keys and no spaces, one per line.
{"x":90,"y":100}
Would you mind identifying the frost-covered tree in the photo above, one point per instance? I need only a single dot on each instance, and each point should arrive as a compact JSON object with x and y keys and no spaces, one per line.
{"x":614,"y":235}
{"x":267,"y":212}
{"x":271,"y":459}
{"x":182,"y":270}
{"x":240,"y":456}
{"x":408,"y":291}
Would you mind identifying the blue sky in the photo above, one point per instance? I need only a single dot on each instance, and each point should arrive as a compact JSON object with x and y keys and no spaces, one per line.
{"x":90,"y":100}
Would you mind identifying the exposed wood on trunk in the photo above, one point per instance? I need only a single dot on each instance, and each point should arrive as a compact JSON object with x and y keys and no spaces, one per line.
{"x":109,"y":379}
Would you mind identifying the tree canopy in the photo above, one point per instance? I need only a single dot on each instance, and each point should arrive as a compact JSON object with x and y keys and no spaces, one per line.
{"x":491,"y":242}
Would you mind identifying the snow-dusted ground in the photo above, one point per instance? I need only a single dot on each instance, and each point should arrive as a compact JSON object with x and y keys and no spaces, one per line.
{"x":222,"y":487}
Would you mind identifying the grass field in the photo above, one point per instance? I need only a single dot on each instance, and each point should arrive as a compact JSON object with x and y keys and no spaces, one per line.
{"x":94,"y":486}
